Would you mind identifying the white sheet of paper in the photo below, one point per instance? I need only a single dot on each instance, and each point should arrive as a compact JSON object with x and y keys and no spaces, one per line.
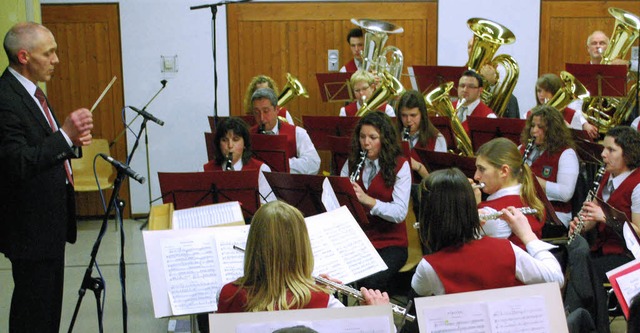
{"x":527,"y":314}
{"x":631,"y":240}
{"x":206,"y":216}
{"x":346,"y":325}
{"x":329,"y":198}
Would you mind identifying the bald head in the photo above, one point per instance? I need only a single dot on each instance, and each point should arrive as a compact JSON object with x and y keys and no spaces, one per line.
{"x":22,"y":36}
{"x":597,"y":43}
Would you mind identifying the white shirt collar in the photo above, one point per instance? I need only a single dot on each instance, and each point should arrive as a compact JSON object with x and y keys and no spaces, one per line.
{"x":620,"y":178}
{"x":472,"y":106}
{"x":26,"y":83}
{"x":511,"y":190}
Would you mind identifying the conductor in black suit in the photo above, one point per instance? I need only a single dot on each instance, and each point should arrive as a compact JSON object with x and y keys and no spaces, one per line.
{"x":36,"y":183}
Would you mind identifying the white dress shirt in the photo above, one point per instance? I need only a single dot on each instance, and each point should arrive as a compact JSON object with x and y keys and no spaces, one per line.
{"x":499,"y":228}
{"x":472,"y":106}
{"x":308,"y":160}
{"x":536,"y":265}
{"x":441,"y":142}
{"x":396,"y":210}
{"x":266,"y":194}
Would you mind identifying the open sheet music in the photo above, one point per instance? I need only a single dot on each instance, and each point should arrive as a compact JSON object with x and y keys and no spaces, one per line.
{"x":187,"y":267}
{"x":625,"y":281}
{"x":206,"y":216}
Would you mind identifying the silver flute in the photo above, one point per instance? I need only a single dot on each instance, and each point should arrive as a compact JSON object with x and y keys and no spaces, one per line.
{"x":355,"y":175}
{"x":492,"y":216}
{"x":229,"y":166}
{"x":351,"y":292}
{"x":590,"y":196}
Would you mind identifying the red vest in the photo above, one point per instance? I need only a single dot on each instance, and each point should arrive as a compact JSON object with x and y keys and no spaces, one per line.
{"x":567,"y":114}
{"x":486,"y":263}
{"x":287,"y":130}
{"x":233,"y":299}
{"x":482,"y":110}
{"x":608,"y":240}
{"x":380,"y":232}
{"x":282,"y":112}
{"x":515,"y":201}
{"x":352,"y":108}
{"x":252,"y":164}
{"x":351,"y":66}
{"x":546,"y":167}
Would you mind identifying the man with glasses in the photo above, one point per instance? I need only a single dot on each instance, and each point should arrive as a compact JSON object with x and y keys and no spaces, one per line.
{"x":469,"y":92}
{"x":363,"y":85}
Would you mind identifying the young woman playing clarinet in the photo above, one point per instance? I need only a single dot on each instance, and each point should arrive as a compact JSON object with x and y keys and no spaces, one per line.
{"x":382,"y":184}
{"x":552,"y":157}
{"x":277,"y":267}
{"x":619,"y":188}
{"x":233,"y":153}
{"x":508,"y":182}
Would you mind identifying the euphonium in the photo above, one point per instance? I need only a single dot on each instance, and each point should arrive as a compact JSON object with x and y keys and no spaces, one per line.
{"x":438,"y":101}
{"x":389,"y":87}
{"x":590,"y":196}
{"x":292,"y":88}
{"x":488,"y":37}
{"x":625,"y":32}
{"x":374,"y":55}
{"x":571,"y":90}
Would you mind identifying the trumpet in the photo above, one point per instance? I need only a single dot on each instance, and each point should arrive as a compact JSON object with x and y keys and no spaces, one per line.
{"x":355,"y":175}
{"x":590,"y":196}
{"x":229,"y":166}
{"x":492,"y":216}
{"x":351,"y":292}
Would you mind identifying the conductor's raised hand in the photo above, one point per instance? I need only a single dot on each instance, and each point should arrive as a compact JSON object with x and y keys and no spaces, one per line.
{"x":519,"y":224}
{"x":374,"y":297}
{"x":78,"y":126}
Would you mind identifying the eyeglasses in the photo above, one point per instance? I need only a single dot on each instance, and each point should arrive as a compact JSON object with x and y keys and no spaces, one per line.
{"x":463,"y":86}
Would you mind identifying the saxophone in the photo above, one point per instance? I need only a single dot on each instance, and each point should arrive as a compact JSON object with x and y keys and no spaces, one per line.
{"x":355,"y":175}
{"x":229,"y":166}
{"x":590,"y":196}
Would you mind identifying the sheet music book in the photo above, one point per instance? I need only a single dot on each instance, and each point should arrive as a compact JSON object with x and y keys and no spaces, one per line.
{"x":207,"y":216}
{"x":529,"y":308}
{"x":625,"y":281}
{"x":187,"y":267}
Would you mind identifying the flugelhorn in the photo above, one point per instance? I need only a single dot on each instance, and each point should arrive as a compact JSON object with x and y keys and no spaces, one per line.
{"x":488,"y":37}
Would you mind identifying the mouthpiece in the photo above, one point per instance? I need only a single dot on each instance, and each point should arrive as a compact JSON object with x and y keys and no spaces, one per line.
{"x":599,"y":50}
{"x":461,"y":103}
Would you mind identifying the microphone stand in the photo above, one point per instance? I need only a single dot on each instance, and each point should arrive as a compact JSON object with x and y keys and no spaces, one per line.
{"x":96,"y":284}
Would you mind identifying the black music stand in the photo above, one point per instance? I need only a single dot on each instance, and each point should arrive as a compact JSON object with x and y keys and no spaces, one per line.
{"x":346,"y":125}
{"x":614,"y":217}
{"x":550,"y":215}
{"x":482,"y":129}
{"x":301,"y":191}
{"x":347,"y":197}
{"x":211,"y":147}
{"x":192,"y":189}
{"x":601,"y":80}
{"x":335,"y":87}
{"x":319,"y":127}
{"x":429,"y":77}
{"x":340,"y":147}
{"x":588,"y":151}
{"x":434,"y":160}
{"x":443,"y":124}
{"x":272,"y":150}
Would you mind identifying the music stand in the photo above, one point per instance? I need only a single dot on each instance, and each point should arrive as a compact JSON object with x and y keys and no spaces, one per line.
{"x":272,"y":150}
{"x":340,"y":147}
{"x":588,"y":151}
{"x":335,"y":87}
{"x":347,"y":197}
{"x":550,"y":215}
{"x":482,"y":129}
{"x":443,"y":124}
{"x":301,"y":191}
{"x":319,"y":127}
{"x":434,"y":160}
{"x":192,"y":189}
{"x":346,"y":125}
{"x":211,"y":147}
{"x":614,"y":217}
{"x":426,"y":78}
{"x":601,"y":80}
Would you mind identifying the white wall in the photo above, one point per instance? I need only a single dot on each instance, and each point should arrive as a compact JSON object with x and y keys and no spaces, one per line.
{"x":151,"y":28}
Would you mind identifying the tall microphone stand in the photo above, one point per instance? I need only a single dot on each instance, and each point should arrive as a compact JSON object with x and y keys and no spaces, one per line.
{"x":96,"y":284}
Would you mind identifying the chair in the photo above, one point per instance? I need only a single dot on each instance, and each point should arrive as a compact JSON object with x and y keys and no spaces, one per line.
{"x":415,"y":246}
{"x":83,"y":176}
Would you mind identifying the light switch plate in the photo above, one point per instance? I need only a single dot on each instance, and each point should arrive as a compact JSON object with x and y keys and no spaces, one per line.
{"x":333,"y":58}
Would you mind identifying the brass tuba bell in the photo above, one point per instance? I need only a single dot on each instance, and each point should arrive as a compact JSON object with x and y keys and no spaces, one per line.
{"x":389,"y":87}
{"x":292,"y":89}
{"x":438,"y":101}
{"x":572,"y":89}
{"x":488,"y":37}
{"x":625,"y":32}
{"x":374,"y":55}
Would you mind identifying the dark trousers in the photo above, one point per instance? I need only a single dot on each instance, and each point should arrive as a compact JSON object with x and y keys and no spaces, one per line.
{"x":36,"y":304}
{"x":394,"y":257}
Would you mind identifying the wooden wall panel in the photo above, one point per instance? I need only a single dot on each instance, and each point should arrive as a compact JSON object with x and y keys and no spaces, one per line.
{"x":565,"y":26}
{"x":276,"y":38}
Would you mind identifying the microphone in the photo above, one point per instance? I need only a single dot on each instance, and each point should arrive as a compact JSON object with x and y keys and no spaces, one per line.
{"x":147,"y":115}
{"x":123,"y":167}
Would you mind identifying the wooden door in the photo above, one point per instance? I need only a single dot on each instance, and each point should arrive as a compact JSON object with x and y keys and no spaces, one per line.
{"x":88,"y":38}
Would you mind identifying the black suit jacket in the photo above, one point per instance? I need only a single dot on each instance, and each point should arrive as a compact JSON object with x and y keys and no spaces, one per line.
{"x":36,"y":203}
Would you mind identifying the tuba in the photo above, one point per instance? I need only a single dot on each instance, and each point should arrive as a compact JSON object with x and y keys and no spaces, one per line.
{"x":389,"y":87}
{"x":571,"y":90}
{"x":292,"y":89}
{"x":438,"y":100}
{"x":488,"y":37}
{"x":608,"y":112}
{"x":374,"y":55}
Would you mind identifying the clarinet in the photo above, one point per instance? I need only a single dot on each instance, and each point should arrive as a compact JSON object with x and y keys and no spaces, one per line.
{"x":355,"y":175}
{"x":261,"y":129}
{"x":528,"y":149}
{"x":405,"y":134}
{"x":590,"y":196}
{"x":229,"y":166}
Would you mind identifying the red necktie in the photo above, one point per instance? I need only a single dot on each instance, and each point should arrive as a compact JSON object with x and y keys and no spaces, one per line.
{"x":43,"y":102}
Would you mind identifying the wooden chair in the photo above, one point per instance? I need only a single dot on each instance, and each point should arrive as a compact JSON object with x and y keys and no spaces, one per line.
{"x":83,"y":174}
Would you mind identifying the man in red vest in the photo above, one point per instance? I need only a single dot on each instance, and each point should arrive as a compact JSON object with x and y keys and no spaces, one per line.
{"x":469,"y":92}
{"x":355,"y":38}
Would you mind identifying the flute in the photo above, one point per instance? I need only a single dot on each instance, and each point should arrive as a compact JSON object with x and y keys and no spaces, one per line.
{"x":348,"y":291}
{"x":493,"y":216}
{"x":479,"y":186}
